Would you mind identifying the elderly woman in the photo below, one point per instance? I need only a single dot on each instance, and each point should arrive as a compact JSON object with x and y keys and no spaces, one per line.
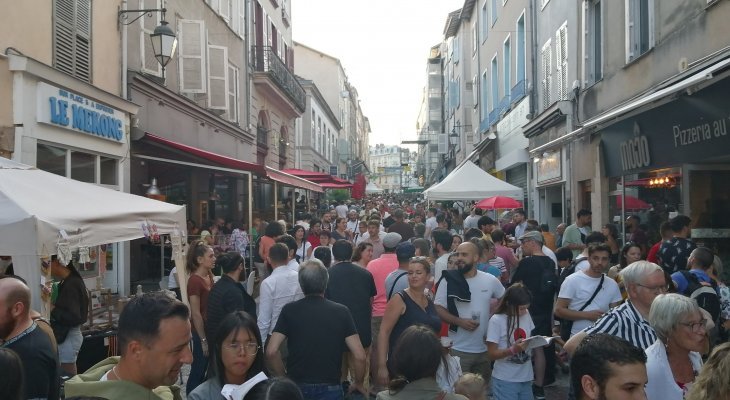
{"x":674,"y":360}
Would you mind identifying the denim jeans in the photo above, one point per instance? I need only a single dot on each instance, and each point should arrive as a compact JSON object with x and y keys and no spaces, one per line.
{"x":321,"y":391}
{"x":504,"y":390}
{"x":198,"y":367}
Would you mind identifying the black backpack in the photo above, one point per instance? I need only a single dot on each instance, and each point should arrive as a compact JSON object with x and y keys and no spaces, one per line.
{"x":256,"y":255}
{"x":569,"y":270}
{"x":706,"y":296}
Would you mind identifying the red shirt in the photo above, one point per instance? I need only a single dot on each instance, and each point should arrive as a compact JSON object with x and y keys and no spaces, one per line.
{"x":314,"y":240}
{"x":652,"y":256}
{"x":198,"y":286}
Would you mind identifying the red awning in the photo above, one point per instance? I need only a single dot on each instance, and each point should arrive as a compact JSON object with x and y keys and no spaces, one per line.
{"x":291,"y":180}
{"x":207,"y":155}
{"x":328,"y":185}
{"x":324,"y":179}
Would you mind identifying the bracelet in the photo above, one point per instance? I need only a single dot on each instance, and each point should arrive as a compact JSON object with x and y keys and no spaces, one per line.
{"x":204,"y":340}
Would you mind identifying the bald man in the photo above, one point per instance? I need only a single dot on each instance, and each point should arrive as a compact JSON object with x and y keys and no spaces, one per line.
{"x":468,"y":319}
{"x":18,"y":332}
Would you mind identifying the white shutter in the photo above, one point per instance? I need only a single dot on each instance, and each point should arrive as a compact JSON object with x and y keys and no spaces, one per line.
{"x":191,"y":37}
{"x":233,"y":106}
{"x":242,"y":18}
{"x":224,"y":9}
{"x":218,"y":77}
{"x":474,"y":84}
{"x":214,"y":4}
{"x":147,"y":27}
{"x":546,"y":56}
{"x":561,"y":61}
{"x":234,"y":21}
{"x":443,"y":143}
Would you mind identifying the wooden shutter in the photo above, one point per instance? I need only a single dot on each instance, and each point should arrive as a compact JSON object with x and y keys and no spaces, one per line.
{"x":191,"y":37}
{"x":561,"y":61}
{"x":147,"y":27}
{"x":72,"y":37}
{"x":547,"y":64}
{"x":218,"y":77}
{"x":443,"y":143}
{"x":233,"y":97}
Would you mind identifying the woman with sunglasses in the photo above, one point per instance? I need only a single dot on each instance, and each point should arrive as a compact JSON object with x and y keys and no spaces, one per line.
{"x":674,"y":360}
{"x":237,"y":356}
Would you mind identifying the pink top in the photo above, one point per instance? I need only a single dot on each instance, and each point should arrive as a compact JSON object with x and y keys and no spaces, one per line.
{"x":510,"y":261}
{"x":380,"y":268}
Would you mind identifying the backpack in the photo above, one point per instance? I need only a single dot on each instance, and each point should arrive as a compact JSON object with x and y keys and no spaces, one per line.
{"x":256,"y":255}
{"x":705,"y":295}
{"x":549,"y":280}
{"x":569,"y":270}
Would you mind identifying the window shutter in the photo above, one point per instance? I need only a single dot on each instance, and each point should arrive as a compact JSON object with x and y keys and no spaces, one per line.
{"x":546,"y":74}
{"x":218,"y":78}
{"x":234,"y":21}
{"x":233,"y":97}
{"x":147,"y":27}
{"x":474,"y":87}
{"x":443,"y":143}
{"x":72,"y":37}
{"x":191,"y":36}
{"x":82,"y":60}
{"x":561,"y":62}
{"x":224,"y":9}
{"x":241,"y":18}
{"x":214,"y":4}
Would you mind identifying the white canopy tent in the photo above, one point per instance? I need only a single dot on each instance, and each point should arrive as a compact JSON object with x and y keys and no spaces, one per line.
{"x":470,"y":182}
{"x":372,"y":188}
{"x":38,"y":208}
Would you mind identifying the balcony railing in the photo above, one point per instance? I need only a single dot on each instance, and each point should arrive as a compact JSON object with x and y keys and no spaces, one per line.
{"x":494,"y":116}
{"x":266,"y":60}
{"x":518,"y":91}
{"x":504,"y":105}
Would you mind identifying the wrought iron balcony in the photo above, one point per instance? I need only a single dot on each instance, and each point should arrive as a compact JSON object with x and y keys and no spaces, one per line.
{"x":266,"y":60}
{"x":518,"y":91}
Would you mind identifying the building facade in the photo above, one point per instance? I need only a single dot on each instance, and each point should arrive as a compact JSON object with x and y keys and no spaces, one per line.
{"x":316,"y":147}
{"x":390,"y":167}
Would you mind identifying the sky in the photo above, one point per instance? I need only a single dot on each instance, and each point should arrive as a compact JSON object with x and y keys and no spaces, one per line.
{"x":383,"y":46}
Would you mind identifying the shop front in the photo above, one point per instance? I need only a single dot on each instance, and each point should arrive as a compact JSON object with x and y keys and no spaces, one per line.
{"x":674,"y":159}
{"x":76,"y":130}
{"x":550,"y":184}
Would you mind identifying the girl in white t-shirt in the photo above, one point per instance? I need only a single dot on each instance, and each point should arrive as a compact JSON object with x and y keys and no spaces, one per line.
{"x":508,"y":328}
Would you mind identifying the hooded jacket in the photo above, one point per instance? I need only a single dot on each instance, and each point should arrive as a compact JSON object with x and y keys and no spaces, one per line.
{"x":89,"y":384}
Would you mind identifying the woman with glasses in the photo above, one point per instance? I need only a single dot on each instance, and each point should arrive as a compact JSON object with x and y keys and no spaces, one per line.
{"x":237,"y":356}
{"x":408,"y":307}
{"x":674,"y":360}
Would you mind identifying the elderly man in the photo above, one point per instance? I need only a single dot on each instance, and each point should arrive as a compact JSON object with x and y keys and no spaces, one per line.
{"x":319,"y":331}
{"x":18,"y":332}
{"x":643,"y":281}
{"x":154,"y":336}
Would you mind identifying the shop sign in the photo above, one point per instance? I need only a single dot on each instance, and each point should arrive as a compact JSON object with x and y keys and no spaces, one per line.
{"x":549,"y":169}
{"x":687,"y":130}
{"x":69,"y":110}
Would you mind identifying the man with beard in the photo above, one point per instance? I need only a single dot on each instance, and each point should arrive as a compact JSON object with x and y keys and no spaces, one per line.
{"x":462,"y":301}
{"x":154,"y":337}
{"x":228,"y":295}
{"x":606,"y":367}
{"x":18,"y":332}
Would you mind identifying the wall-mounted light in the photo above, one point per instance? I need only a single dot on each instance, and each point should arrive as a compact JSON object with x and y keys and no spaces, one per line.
{"x":164,"y":41}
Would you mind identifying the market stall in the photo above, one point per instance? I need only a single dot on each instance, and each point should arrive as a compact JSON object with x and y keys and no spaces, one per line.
{"x":470,"y":182}
{"x":42,"y":214}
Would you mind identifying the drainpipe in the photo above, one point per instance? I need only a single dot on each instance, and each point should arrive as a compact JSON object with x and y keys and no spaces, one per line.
{"x":124,"y":54}
{"x":247,"y":63}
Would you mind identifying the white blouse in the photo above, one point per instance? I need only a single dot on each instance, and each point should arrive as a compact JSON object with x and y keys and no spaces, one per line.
{"x":661,"y":385}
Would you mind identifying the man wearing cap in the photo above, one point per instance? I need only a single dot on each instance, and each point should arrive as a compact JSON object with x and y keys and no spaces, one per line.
{"x":380,"y":268}
{"x":398,"y":279}
{"x":486,"y":225}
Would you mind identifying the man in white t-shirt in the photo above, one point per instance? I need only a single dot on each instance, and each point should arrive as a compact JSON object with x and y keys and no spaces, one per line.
{"x":579,"y":287}
{"x":472,"y":317}
{"x":431,"y":223}
{"x":341,"y":209}
{"x":582,"y":262}
{"x":441,"y":240}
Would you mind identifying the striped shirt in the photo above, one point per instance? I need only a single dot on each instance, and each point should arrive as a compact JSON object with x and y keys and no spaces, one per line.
{"x":625,"y":322}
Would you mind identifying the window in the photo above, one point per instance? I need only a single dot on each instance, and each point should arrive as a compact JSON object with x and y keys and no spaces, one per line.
{"x":474,"y":91}
{"x":83,"y":167}
{"x":495,"y":83}
{"x":507,"y":65}
{"x":520,"y":48}
{"x":639,"y":34}
{"x":593,"y":41}
{"x":484,"y":94}
{"x":561,"y":61}
{"x":494,"y":11}
{"x":483,"y":19}
{"x":544,"y":3}
{"x":319,"y":135}
{"x":455,"y":49}
{"x":191,"y":38}
{"x":474,"y":39}
{"x":72,"y":37}
{"x":224,"y":9}
{"x":108,"y":171}
{"x":312,"y":132}
{"x":218,"y":78}
{"x":547,"y":74}
{"x":147,"y":27}
{"x":233,"y":106}
{"x":78,"y":165}
{"x":237,"y":19}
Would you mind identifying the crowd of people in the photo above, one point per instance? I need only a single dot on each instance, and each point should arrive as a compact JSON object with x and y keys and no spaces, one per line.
{"x":391,"y":299}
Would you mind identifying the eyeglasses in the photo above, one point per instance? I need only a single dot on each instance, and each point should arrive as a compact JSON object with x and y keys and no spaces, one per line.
{"x":249,"y":349}
{"x":696,"y":327}
{"x":418,"y":259}
{"x":656,"y":289}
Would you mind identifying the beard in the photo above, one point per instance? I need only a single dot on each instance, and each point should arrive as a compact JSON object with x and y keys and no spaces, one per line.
{"x":7,"y":328}
{"x":464,"y":268}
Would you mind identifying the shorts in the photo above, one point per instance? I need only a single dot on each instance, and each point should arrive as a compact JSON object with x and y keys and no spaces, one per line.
{"x":68,"y":350}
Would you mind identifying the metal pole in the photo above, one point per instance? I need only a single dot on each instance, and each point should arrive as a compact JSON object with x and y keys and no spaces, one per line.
{"x":276,"y":201}
{"x":623,"y":211}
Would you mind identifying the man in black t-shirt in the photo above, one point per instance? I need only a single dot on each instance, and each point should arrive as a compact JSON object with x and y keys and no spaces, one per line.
{"x":353,"y":287}
{"x":18,"y":332}
{"x":538,"y":273}
{"x":318,"y":332}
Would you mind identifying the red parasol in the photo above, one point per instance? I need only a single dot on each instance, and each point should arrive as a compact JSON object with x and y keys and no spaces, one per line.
{"x":633,"y":203}
{"x":498,"y":202}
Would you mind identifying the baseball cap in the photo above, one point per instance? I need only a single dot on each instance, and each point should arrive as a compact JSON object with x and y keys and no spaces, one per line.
{"x":532,"y":235}
{"x":391,"y":240}
{"x":405,"y":250}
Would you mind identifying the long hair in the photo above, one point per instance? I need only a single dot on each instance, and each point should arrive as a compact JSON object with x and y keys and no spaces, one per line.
{"x":713,"y":383}
{"x":233,"y":323}
{"x":625,"y":250}
{"x":11,"y":386}
{"x":515,"y":296}
{"x":417,"y":355}
{"x":197,"y":248}
{"x":357,"y":254}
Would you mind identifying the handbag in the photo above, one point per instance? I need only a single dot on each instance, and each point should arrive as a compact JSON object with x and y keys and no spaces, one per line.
{"x":60,"y":332}
{"x":566,"y":325}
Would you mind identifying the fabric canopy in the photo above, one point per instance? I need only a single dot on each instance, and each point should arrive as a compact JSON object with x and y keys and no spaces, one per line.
{"x":36,"y":206}
{"x":471,"y":183}
{"x":498,"y":202}
{"x":632,"y":203}
{"x":372,"y":188}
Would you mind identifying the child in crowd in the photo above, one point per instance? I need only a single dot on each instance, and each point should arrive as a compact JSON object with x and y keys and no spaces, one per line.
{"x":472,"y":386}
{"x":512,"y":374}
{"x":450,"y":368}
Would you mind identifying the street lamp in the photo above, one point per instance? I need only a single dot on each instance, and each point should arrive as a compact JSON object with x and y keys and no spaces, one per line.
{"x":164,"y":41}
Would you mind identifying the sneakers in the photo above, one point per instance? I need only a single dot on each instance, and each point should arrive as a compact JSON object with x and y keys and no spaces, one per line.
{"x":538,"y":392}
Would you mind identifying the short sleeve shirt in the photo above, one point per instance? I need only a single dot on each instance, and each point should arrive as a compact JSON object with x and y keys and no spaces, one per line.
{"x":518,"y":367}
{"x":353,"y":287}
{"x":197,"y":286}
{"x":578,"y":287}
{"x":673,"y":254}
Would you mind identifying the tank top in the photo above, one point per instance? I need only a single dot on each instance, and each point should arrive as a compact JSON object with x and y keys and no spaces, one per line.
{"x":414,"y":315}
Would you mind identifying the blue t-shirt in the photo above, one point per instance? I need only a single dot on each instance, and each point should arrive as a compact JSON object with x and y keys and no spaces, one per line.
{"x":490,"y":269}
